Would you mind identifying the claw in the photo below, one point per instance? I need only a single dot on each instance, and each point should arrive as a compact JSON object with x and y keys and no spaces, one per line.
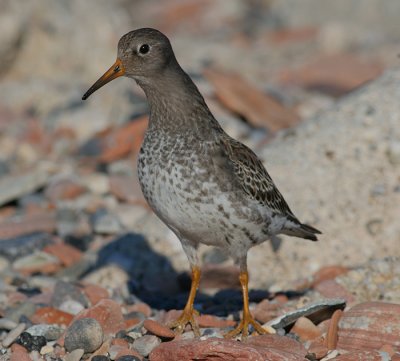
{"x":243,"y":328}
{"x":187,"y":317}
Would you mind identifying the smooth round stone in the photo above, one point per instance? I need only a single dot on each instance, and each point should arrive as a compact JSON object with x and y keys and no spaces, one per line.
{"x":86,"y":334}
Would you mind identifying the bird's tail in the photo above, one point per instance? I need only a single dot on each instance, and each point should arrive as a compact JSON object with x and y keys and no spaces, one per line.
{"x":303,"y":231}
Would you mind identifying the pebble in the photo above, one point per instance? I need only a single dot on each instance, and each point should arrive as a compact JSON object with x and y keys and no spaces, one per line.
{"x":75,"y":355}
{"x":85,"y":333}
{"x":145,"y":344}
{"x":13,"y":334}
{"x":128,"y":358}
{"x":46,"y":349}
{"x":50,"y":331}
{"x":17,"y":247}
{"x":31,"y":343}
{"x":71,"y":306}
{"x":7,"y":324}
{"x":64,"y":291}
{"x":100,"y":358}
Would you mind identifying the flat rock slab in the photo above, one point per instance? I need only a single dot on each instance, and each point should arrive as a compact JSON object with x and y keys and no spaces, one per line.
{"x":369,"y":326}
{"x":221,"y":349}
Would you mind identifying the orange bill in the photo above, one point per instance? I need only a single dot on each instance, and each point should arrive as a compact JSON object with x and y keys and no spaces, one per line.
{"x":114,"y":72}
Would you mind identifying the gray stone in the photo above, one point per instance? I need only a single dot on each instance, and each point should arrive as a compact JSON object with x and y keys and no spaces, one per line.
{"x":24,"y":309}
{"x":37,"y":260}
{"x":24,"y":245}
{"x":85,"y":334}
{"x":13,"y":335}
{"x":316,"y":312}
{"x":106,"y":223}
{"x":145,"y":344}
{"x":7,"y":324}
{"x":50,"y":332}
{"x":75,"y":355}
{"x":13,"y":187}
{"x":64,"y":291}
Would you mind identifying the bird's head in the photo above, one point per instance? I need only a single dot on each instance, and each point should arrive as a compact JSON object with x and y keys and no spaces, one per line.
{"x":142,"y":54}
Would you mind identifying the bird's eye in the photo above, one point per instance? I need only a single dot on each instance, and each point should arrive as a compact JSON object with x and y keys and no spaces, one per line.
{"x":144,"y":49}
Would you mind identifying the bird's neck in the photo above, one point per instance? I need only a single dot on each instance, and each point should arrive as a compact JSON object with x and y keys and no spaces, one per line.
{"x":176,"y":104}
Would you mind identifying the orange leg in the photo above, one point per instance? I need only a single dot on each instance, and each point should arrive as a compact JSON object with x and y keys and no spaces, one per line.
{"x":247,"y":318}
{"x":189,"y":312}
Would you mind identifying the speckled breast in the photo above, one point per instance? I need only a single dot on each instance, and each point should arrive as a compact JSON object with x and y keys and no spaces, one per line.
{"x":182,"y":188}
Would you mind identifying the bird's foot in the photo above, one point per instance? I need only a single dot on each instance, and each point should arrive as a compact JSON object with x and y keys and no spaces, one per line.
{"x":243,"y":328}
{"x":187,"y":317}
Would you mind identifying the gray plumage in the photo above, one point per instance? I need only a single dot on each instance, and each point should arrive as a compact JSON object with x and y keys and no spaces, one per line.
{"x":204,"y":185}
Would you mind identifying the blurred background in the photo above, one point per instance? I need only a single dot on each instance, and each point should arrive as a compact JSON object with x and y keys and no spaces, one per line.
{"x":312,"y":86}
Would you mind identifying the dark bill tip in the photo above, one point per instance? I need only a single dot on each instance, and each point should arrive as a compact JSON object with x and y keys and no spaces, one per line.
{"x":114,"y":72}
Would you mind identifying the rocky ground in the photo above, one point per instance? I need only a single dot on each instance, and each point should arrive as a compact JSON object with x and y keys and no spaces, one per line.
{"x":88,"y":272}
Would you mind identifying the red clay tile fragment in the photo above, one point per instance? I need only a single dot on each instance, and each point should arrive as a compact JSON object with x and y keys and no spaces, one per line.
{"x":333,"y":74}
{"x":95,"y":293}
{"x":108,"y":313}
{"x":241,"y":97}
{"x":332,"y":289}
{"x":318,"y":348}
{"x":328,"y":273}
{"x":64,"y":189}
{"x":305,"y":329}
{"x":29,"y":223}
{"x":51,"y":315}
{"x":267,"y":310}
{"x":68,"y":255}
{"x":19,"y":353}
{"x":158,"y":329}
{"x":120,"y":142}
{"x":213,"y":321}
{"x":332,"y":334}
{"x":139,"y":307}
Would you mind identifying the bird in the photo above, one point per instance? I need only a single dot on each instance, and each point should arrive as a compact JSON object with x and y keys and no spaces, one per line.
{"x":207,"y":187}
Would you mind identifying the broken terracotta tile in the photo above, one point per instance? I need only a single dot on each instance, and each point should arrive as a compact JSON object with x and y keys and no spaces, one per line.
{"x":332,"y":334}
{"x":305,"y":329}
{"x":126,"y":189}
{"x":292,"y":35}
{"x":213,"y":321}
{"x":334,"y":75}
{"x":64,"y":189}
{"x":67,"y":254}
{"x":328,"y":273}
{"x":122,"y":141}
{"x":332,"y":289}
{"x":108,"y":313}
{"x":51,"y":315}
{"x":242,"y":98}
{"x":29,"y":223}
